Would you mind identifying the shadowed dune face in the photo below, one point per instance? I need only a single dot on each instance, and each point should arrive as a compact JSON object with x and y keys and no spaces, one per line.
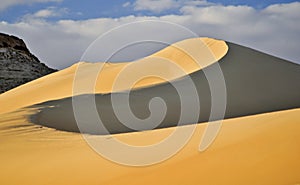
{"x":255,"y":83}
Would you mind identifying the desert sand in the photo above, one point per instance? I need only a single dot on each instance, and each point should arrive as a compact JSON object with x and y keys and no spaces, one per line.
{"x":261,"y":149}
{"x":249,"y":149}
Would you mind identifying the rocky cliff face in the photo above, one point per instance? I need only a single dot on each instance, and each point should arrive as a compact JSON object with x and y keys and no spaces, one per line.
{"x":17,"y":64}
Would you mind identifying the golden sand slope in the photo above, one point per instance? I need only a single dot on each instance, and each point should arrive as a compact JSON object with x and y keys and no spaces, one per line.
{"x":171,"y":63}
{"x":261,"y":149}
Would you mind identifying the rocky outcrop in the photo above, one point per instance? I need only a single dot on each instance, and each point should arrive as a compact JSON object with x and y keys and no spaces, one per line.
{"x":17,"y":64}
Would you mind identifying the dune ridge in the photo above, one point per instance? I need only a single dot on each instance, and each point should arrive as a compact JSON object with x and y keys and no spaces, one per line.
{"x":255,"y":83}
{"x":59,"y":85}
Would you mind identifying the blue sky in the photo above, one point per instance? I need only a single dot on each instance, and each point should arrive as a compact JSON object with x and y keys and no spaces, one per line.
{"x":59,"y":32}
{"x":77,"y":10}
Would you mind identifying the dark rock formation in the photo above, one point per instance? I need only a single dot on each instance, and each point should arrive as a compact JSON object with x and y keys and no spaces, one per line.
{"x":17,"y":64}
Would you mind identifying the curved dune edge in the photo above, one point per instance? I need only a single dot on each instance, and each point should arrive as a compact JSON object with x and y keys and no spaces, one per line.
{"x":256,"y":83}
{"x":260,"y":149}
{"x":185,"y":57}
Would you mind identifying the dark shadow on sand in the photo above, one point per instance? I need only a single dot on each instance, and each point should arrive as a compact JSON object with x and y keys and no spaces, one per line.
{"x":255,"y":83}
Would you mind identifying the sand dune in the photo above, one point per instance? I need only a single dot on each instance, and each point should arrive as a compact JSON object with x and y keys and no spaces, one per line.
{"x":256,"y":149}
{"x":59,"y":85}
{"x":255,"y":83}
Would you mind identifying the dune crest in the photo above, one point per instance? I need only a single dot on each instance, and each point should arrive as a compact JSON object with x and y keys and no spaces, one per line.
{"x":172,"y":62}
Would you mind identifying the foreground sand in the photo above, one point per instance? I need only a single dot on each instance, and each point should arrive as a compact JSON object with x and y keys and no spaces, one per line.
{"x":261,"y":149}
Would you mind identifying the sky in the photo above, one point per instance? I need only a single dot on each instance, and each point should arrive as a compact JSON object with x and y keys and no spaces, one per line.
{"x":60,"y":32}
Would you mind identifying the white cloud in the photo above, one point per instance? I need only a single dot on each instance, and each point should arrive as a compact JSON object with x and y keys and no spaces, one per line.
{"x":41,"y":16}
{"x":158,"y":6}
{"x":49,"y":12}
{"x":281,"y":9}
{"x":274,"y":30}
{"x":127,"y":4}
{"x":46,"y":13}
{"x":196,"y":3}
{"x":8,"y":3}
{"x":155,"y":5}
